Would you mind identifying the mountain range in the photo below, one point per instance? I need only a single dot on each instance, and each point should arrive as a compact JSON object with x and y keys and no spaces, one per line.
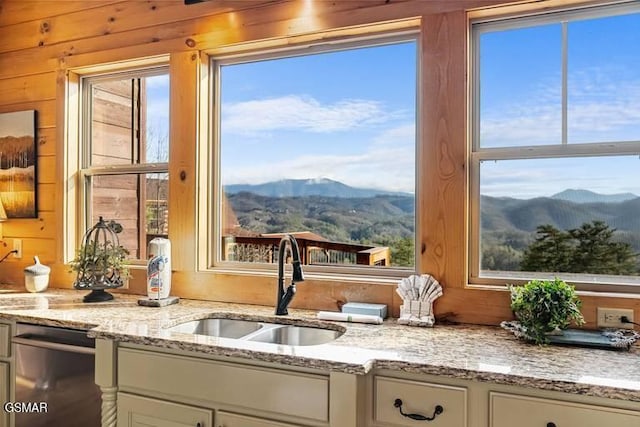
{"x":586,"y":196}
{"x":343,"y":213}
{"x":504,"y":213}
{"x":308,"y":187}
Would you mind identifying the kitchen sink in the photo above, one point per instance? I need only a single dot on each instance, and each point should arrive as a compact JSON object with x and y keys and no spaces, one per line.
{"x":265,"y":332}
{"x":225,"y":328}
{"x":295,"y":335}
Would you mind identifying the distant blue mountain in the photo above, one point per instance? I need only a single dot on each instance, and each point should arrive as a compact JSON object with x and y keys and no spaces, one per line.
{"x":586,"y":196}
{"x":504,"y":213}
{"x":308,"y":187}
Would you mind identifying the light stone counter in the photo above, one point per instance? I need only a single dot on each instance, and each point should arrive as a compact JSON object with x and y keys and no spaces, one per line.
{"x":468,"y":352}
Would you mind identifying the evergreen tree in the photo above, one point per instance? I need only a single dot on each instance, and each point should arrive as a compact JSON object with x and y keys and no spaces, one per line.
{"x":586,"y":249}
{"x":403,"y":252}
{"x":500,"y":257}
{"x":552,"y":251}
{"x":596,"y":253}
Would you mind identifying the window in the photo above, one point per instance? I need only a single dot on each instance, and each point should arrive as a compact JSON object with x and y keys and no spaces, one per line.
{"x":322,"y":146}
{"x":555,"y":167}
{"x":125,"y":153}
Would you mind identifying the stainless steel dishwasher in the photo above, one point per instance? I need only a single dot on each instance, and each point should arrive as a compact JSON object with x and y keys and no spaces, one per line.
{"x":56,"y":366}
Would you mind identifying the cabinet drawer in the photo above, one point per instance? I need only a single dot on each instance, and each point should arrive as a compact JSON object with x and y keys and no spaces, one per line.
{"x":419,"y":398}
{"x":5,"y":338}
{"x":511,"y":410}
{"x":193,"y":379}
{"x":227,"y":419}
{"x":136,"y":411}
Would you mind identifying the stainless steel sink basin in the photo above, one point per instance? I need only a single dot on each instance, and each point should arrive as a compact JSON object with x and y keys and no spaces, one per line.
{"x":295,"y":335}
{"x":226,"y":328}
{"x":271,"y":333}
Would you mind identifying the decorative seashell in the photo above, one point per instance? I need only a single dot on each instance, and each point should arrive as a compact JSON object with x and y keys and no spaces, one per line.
{"x":432,"y":290}
{"x":418,"y":294}
{"x":419,"y":288}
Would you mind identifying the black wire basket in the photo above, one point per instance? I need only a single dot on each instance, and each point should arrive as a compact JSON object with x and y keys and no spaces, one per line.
{"x":100,"y":261}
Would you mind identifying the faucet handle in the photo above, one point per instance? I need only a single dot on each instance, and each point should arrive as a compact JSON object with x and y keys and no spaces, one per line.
{"x":286,"y":299}
{"x":297,"y":275}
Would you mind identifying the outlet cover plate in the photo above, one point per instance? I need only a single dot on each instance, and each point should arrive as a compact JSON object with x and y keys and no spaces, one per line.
{"x":610,"y":318}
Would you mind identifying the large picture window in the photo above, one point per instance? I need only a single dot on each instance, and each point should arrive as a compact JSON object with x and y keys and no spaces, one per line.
{"x":322,"y":146}
{"x":555,"y":166}
{"x":125,"y":154}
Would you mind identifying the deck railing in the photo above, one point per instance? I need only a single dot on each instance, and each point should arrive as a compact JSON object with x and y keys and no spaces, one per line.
{"x":265,"y":249}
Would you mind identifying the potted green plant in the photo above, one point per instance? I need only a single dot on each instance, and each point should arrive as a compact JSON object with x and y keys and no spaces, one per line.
{"x":544,"y":307}
{"x":100,"y":262}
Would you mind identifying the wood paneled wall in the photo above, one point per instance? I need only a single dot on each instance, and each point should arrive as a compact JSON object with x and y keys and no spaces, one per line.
{"x":41,"y":40}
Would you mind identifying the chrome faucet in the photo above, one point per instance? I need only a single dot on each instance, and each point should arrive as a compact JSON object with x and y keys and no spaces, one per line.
{"x":285,"y":297}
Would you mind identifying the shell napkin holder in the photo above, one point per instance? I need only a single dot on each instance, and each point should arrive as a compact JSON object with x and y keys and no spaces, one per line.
{"x":418,"y":294}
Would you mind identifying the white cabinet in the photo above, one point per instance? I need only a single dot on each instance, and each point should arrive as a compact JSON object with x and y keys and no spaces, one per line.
{"x":137,"y":411}
{"x":5,"y":372}
{"x":4,"y":392}
{"x":246,"y":395}
{"x":160,"y":388}
{"x":5,"y":343}
{"x":401,"y":402}
{"x":508,"y":410}
{"x":467,"y":403}
{"x":227,"y":419}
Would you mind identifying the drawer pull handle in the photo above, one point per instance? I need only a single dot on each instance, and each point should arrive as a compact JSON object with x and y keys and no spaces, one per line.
{"x":551,"y":424}
{"x":418,"y":417}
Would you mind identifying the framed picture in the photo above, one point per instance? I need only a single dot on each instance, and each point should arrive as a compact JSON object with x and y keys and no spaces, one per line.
{"x":18,"y":164}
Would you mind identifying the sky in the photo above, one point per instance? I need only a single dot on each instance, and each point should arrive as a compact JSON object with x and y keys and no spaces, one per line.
{"x":17,"y":123}
{"x":347,"y":116}
{"x":521,"y":105}
{"x":157,"y":88}
{"x":350,"y":115}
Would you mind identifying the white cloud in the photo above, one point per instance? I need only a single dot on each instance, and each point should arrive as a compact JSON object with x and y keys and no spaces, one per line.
{"x":403,"y":134}
{"x":388,"y":163}
{"x":602,"y":106}
{"x":295,"y":112}
{"x":524,"y":179}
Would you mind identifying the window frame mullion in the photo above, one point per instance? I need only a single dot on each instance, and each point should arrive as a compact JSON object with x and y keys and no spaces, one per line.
{"x":564,"y":149}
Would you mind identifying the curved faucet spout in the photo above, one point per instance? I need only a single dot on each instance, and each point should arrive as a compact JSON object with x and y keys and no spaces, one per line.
{"x":284,"y":297}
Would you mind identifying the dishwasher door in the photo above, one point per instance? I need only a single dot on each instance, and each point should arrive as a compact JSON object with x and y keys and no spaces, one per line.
{"x":55,"y":369}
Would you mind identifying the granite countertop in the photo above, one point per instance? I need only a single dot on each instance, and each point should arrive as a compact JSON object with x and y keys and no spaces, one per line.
{"x":469,"y":352}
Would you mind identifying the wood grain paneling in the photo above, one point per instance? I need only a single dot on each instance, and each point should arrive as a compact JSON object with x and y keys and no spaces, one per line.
{"x":43,"y":227}
{"x":17,"y":11}
{"x":32,"y":88}
{"x":442,"y":200}
{"x":46,"y":169}
{"x":46,"y":141}
{"x":40,"y":40}
{"x":47,"y":201}
{"x":184,"y":91}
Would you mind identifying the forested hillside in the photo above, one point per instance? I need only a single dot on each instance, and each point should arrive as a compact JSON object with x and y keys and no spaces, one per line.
{"x":508,"y":225}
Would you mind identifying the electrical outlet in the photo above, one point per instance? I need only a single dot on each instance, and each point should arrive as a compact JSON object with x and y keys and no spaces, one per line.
{"x":17,"y":246}
{"x":610,"y":318}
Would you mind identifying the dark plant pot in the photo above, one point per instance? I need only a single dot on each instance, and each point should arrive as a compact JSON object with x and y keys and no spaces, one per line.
{"x":97,"y":295}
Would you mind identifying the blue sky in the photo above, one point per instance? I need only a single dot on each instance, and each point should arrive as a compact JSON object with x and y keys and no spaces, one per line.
{"x":157,"y":118}
{"x":346,"y":115}
{"x":521,"y":104}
